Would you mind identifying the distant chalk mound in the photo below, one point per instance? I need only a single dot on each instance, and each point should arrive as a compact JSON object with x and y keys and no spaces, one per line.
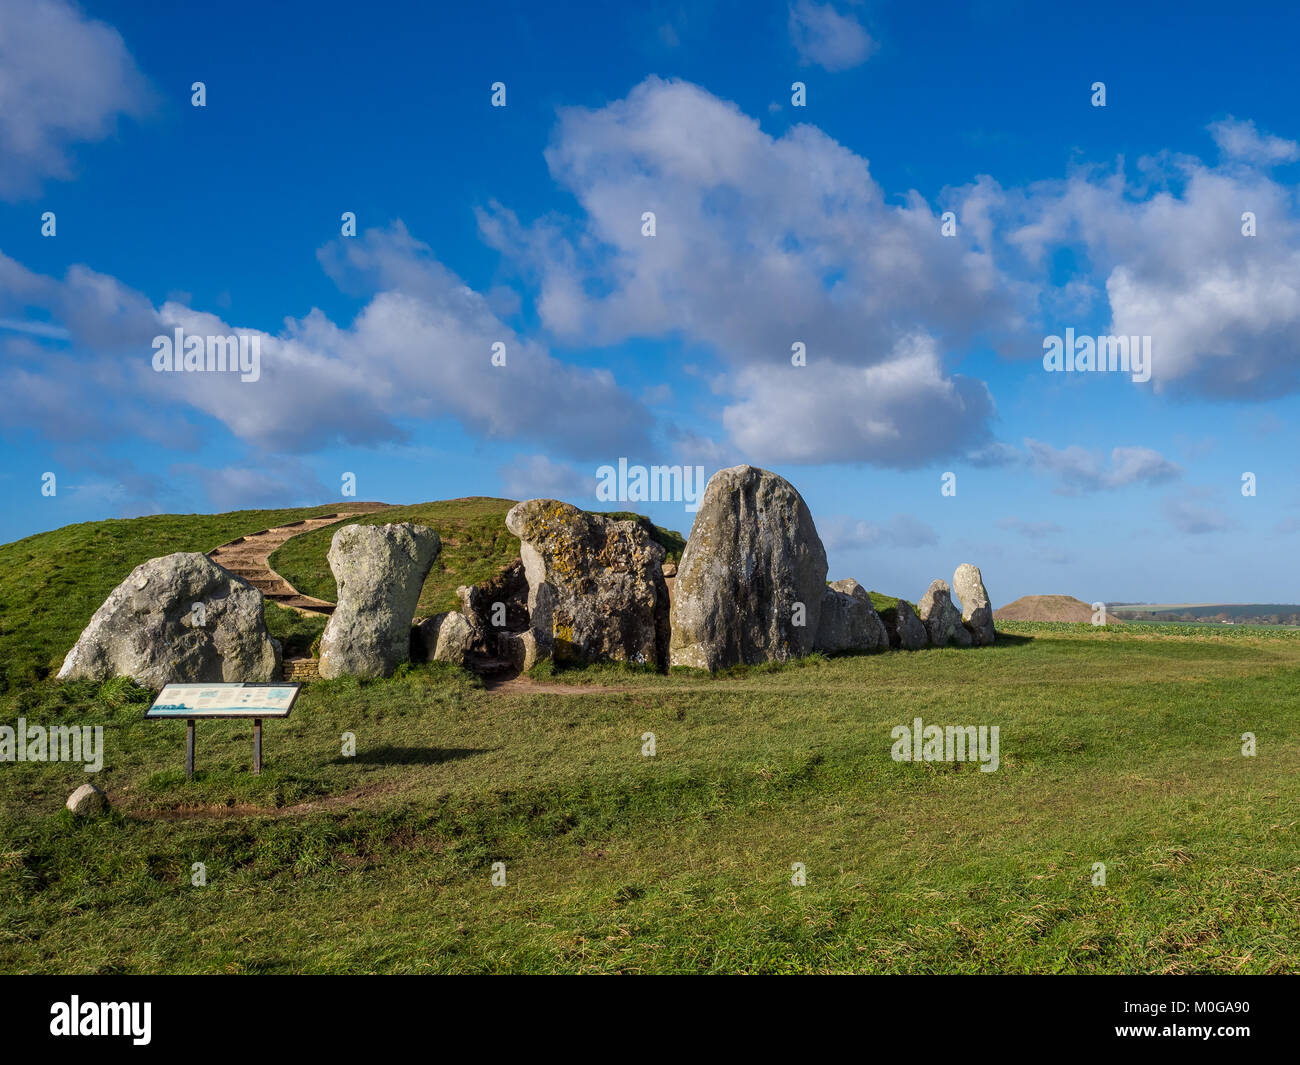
{"x":1049,"y":608}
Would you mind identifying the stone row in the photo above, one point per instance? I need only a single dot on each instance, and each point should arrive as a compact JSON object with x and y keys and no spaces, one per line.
{"x":751,"y":587}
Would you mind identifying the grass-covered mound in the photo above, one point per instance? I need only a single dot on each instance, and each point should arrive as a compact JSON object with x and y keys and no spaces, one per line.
{"x":476,"y":546}
{"x":1113,"y":749}
{"x":52,"y":583}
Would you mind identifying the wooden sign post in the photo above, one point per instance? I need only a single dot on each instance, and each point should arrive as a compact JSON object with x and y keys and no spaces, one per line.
{"x":189,"y":702}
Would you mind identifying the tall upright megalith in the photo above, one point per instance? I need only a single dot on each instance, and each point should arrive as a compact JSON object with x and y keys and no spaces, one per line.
{"x":379,"y":570}
{"x":750,"y":584}
{"x":976,"y":610}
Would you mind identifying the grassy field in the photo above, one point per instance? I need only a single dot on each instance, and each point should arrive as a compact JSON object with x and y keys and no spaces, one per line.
{"x":1115,"y":748}
{"x":1120,"y":746}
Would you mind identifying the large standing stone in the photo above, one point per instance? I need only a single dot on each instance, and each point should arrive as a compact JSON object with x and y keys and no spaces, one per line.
{"x":941,"y":619}
{"x":379,"y":570}
{"x":905,"y":629}
{"x":750,"y":584}
{"x":976,"y":610}
{"x":177,"y":619}
{"x":596,"y":590}
{"x":849,"y":621}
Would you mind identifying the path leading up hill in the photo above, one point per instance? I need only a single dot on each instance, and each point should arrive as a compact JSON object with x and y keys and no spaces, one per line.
{"x":249,"y":557}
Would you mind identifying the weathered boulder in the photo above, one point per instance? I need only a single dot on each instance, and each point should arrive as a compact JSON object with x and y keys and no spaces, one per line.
{"x":941,"y":619}
{"x":447,"y":637}
{"x":519,"y":649}
{"x":976,"y":610}
{"x":177,"y":619}
{"x":596,"y":590}
{"x":87,"y":800}
{"x":906,"y":632}
{"x":379,"y":570}
{"x":751,"y":580}
{"x":849,"y":621}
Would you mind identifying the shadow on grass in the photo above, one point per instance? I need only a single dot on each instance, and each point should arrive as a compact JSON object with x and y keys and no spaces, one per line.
{"x":411,"y":755}
{"x":1011,"y":640}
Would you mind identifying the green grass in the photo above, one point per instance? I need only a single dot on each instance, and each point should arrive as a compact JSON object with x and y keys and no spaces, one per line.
{"x":1118,"y":745}
{"x":52,"y":583}
{"x":1115,"y":748}
{"x":476,"y":546}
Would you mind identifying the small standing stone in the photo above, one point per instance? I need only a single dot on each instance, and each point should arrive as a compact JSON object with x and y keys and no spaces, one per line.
{"x":87,"y":801}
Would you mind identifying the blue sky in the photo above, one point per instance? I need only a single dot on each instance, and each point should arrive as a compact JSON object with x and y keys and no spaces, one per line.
{"x":775,"y":224}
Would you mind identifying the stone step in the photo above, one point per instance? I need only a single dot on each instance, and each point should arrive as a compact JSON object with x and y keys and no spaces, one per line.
{"x":483,"y":664}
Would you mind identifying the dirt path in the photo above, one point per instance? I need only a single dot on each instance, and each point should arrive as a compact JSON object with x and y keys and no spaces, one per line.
{"x":249,"y":557}
{"x":521,"y":685}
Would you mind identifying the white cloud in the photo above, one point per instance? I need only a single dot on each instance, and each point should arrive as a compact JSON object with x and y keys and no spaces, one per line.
{"x":823,"y":37}
{"x":761,"y":242}
{"x":1222,"y":308}
{"x":274,"y":482}
{"x":1195,"y":519}
{"x":902,"y":412}
{"x":1242,"y":141}
{"x":419,"y":349}
{"x":64,"y":79}
{"x":1079,"y":470}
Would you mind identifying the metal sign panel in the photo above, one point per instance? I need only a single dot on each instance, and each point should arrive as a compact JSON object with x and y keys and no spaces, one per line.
{"x":184,"y":701}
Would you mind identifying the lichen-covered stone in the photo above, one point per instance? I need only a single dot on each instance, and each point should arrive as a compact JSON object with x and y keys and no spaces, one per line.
{"x":976,"y":610}
{"x":87,"y":800}
{"x":519,"y":649}
{"x":751,"y":580}
{"x":447,"y":637}
{"x":942,"y":620}
{"x":379,"y":570}
{"x":596,"y":589}
{"x":849,"y":621}
{"x":177,"y":619}
{"x":905,"y":630}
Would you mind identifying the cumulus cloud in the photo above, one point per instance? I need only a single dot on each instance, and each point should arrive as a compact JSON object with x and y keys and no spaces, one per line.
{"x":64,"y":79}
{"x":1222,"y":307}
{"x":762,"y":242}
{"x":902,"y":412}
{"x":420,"y":349}
{"x":824,"y":37}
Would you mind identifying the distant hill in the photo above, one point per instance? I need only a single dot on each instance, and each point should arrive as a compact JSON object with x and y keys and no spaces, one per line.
{"x":1049,"y":608}
{"x":1285,"y":614}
